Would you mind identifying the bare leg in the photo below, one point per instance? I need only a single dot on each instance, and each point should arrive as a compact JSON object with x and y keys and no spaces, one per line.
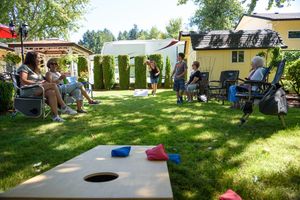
{"x":79,"y":104}
{"x":155,"y":88}
{"x":85,"y":94}
{"x":53,"y":86}
{"x":52,"y":101}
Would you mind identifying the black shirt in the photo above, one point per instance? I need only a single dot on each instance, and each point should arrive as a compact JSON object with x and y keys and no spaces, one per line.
{"x":153,"y":72}
{"x":193,"y":75}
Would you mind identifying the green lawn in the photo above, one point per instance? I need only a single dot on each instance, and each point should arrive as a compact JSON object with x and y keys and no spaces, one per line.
{"x":259,"y":160}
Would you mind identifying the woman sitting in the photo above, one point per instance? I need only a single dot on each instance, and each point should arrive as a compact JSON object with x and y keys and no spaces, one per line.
{"x":193,"y":82}
{"x":75,"y":90}
{"x":256,"y":73}
{"x":30,"y":74}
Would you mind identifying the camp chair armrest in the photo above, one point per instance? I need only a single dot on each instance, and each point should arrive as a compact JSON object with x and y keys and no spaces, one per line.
{"x":29,"y":87}
{"x":214,"y":81}
{"x":230,"y":81}
{"x":253,"y":82}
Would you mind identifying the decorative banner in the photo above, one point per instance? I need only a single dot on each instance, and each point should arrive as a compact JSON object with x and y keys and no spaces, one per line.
{"x":6,"y":33}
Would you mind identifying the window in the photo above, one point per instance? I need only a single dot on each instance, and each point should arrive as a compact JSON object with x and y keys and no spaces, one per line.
{"x":294,"y":34}
{"x":237,"y":56}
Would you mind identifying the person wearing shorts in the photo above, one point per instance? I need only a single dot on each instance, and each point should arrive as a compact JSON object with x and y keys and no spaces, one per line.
{"x":193,"y":82}
{"x":154,"y":75}
{"x":75,"y":89}
{"x":179,"y":73}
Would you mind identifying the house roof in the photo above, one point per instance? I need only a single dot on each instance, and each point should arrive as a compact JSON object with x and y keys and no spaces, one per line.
{"x":53,"y":46}
{"x":242,"y":39}
{"x":5,"y":47}
{"x":276,"y":16}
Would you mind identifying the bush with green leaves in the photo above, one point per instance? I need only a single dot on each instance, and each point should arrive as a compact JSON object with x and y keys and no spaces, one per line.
{"x":65,"y":61}
{"x":82,"y":66}
{"x":11,"y":58}
{"x":168,"y":73}
{"x":276,"y":57}
{"x":158,"y":58}
{"x":108,"y":65}
{"x":124,"y":71}
{"x":293,"y":75}
{"x":6,"y":96}
{"x":291,"y":56}
{"x":98,"y":72}
{"x":140,"y":72}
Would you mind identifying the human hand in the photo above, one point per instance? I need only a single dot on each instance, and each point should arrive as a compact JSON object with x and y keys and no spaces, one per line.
{"x":63,"y":76}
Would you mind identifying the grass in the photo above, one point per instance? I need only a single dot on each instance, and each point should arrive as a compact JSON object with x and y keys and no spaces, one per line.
{"x":259,"y":160}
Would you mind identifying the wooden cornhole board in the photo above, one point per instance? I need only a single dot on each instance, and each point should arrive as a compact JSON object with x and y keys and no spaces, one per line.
{"x":138,"y":178}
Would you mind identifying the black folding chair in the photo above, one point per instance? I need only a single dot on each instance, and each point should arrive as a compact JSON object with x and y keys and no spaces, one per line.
{"x":263,"y":88}
{"x":34,"y":107}
{"x":219,"y":88}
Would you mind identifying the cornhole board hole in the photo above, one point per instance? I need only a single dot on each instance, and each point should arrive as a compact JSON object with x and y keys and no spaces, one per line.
{"x":96,"y":175}
{"x":140,"y":93}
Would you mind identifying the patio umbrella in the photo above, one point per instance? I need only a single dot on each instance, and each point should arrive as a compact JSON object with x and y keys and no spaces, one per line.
{"x":6,"y":33}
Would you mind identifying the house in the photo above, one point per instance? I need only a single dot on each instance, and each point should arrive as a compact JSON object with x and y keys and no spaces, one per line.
{"x":227,"y":50}
{"x":286,"y":24}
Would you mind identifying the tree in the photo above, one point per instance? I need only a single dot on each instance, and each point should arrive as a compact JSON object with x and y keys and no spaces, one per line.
{"x":156,"y":34}
{"x":45,"y":18}
{"x":271,"y":3}
{"x":123,"y":35}
{"x":216,"y":14}
{"x":174,"y":27}
{"x":133,"y":33}
{"x":94,"y":40}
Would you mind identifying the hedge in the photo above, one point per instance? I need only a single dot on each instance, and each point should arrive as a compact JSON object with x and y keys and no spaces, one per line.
{"x":6,"y":96}
{"x":168,"y":73}
{"x":98,"y":73}
{"x":293,"y":75}
{"x":124,"y":71}
{"x":108,"y":65}
{"x":140,"y":72}
{"x":160,"y":64}
{"x":82,"y":65}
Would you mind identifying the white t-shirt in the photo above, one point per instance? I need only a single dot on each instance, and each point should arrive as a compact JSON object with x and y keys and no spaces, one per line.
{"x":55,"y":77}
{"x":258,"y":75}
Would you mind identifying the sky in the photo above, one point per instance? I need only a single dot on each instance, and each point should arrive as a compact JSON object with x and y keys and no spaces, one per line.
{"x":121,"y":15}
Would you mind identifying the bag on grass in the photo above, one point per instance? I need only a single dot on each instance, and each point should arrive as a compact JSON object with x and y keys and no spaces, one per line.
{"x":274,"y":102}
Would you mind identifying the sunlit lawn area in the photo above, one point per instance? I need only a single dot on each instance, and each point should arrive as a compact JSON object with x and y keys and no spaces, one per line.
{"x":259,"y":160}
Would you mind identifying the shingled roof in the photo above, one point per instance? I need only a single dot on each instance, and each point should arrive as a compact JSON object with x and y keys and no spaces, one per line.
{"x":276,"y":16}
{"x":242,"y":39}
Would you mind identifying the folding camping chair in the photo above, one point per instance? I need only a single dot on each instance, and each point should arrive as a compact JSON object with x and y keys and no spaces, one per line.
{"x":262,"y":92}
{"x":219,"y":88}
{"x":34,"y":107}
{"x":87,"y":85}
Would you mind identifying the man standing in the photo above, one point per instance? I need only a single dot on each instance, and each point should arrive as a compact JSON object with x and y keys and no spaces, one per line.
{"x":179,"y":72}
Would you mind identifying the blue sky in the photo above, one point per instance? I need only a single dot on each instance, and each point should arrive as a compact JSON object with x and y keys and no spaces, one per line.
{"x":120,"y":15}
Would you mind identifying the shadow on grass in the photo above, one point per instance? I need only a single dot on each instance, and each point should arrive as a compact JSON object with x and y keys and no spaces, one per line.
{"x":206,"y":136}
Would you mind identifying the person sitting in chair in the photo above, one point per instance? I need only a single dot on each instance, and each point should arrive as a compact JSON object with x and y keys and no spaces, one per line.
{"x":256,"y":73}
{"x":30,"y":74}
{"x":193,"y":82}
{"x":76,"y":89}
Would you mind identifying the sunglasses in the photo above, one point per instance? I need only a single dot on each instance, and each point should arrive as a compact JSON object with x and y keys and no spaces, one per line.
{"x":53,"y":64}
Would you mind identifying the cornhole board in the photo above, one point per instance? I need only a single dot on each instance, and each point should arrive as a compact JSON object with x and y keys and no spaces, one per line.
{"x":137,"y":178}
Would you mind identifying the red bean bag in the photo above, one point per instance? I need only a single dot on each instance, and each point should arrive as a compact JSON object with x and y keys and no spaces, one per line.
{"x":230,"y":195}
{"x":157,"y":153}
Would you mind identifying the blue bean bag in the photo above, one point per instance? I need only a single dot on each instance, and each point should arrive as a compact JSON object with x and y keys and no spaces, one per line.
{"x":121,"y":152}
{"x":175,"y":158}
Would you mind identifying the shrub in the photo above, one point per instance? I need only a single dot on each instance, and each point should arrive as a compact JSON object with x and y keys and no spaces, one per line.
{"x":65,"y":61}
{"x":108,"y":65}
{"x":168,"y":73}
{"x":276,"y":57}
{"x":160,"y":64}
{"x":6,"y":96}
{"x":82,"y":66}
{"x":140,"y":72}
{"x":291,"y":56}
{"x":98,"y":73}
{"x":293,"y":75}
{"x":124,"y":71}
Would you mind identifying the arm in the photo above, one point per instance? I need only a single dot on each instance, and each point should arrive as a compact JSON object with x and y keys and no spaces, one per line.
{"x":24,"y":79}
{"x":50,"y":79}
{"x":194,"y":80}
{"x":173,"y":72}
{"x":158,"y":71}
